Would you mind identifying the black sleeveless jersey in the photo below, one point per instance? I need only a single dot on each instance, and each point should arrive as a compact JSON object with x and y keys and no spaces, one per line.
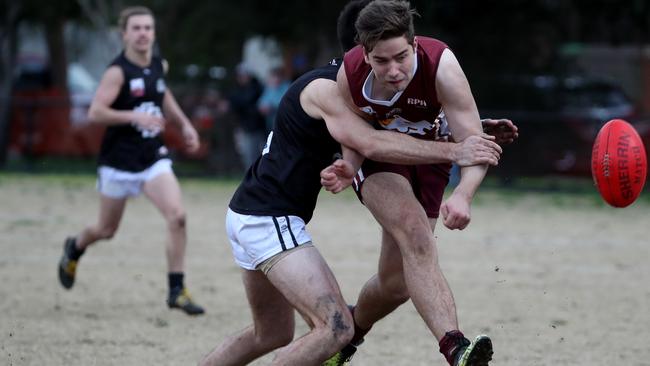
{"x":129,"y":147}
{"x":285,"y":179}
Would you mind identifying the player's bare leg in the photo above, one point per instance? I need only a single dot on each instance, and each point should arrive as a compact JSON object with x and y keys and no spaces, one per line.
{"x":391,"y":200}
{"x":308,"y":285}
{"x":273,"y":325}
{"x":385,"y":291}
{"x":381,"y":295}
{"x":110,"y":214}
{"x":165,"y":193}
{"x":395,"y":280}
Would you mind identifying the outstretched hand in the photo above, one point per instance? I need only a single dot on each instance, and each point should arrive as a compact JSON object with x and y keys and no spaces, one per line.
{"x":504,"y":131}
{"x":338,"y":176}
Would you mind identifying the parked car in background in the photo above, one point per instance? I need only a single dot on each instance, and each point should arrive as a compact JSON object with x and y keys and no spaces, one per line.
{"x":81,"y":86}
{"x":558,"y":120}
{"x":45,"y":119}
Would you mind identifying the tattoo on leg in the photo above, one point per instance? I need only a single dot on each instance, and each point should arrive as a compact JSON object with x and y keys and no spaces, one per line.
{"x":338,"y":326}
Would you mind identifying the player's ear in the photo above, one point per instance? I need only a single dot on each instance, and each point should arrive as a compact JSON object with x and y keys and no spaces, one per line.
{"x":366,"y":57}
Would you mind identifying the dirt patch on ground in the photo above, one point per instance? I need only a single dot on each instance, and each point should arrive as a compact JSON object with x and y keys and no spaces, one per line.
{"x":553,"y":279}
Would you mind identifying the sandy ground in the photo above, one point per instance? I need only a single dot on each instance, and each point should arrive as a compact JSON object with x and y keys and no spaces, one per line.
{"x":553,"y":279}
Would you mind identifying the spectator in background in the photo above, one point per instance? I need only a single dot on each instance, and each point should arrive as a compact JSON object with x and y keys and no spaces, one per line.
{"x":250,"y":132}
{"x":276,"y":86}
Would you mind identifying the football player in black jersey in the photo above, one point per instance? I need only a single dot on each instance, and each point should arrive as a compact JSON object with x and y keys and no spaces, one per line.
{"x":134,"y":104}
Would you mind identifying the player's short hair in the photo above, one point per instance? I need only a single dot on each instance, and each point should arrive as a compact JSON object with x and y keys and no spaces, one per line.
{"x":385,"y":19}
{"x":345,"y":30}
{"x":130,"y":11}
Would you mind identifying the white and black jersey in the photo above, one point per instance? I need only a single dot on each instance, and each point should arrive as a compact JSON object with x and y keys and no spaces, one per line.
{"x":128,"y":147}
{"x":285,"y":179}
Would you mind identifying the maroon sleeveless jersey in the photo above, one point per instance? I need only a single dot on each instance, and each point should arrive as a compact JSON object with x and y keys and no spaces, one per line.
{"x":416,"y":111}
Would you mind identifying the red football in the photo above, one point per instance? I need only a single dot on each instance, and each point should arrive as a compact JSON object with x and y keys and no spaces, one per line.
{"x":619,"y":163}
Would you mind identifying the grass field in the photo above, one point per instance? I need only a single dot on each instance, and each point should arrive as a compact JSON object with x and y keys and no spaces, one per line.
{"x":554,"y":278}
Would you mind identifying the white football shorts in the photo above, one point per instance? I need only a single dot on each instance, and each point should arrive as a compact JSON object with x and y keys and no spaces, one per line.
{"x":255,"y":239}
{"x":115,"y":183}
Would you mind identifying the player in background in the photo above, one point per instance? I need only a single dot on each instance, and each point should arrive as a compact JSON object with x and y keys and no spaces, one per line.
{"x":134,"y":103}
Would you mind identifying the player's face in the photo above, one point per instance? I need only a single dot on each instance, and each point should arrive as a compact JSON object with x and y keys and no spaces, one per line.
{"x":392,"y":62}
{"x":139,"y":34}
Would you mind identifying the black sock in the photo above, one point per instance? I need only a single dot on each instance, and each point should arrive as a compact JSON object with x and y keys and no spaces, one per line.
{"x":359,"y":333}
{"x":76,"y":253}
{"x":175,"y":281}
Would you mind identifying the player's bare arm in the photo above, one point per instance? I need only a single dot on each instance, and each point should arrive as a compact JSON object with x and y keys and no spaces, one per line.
{"x":473,"y":150}
{"x":462,"y":115}
{"x":175,"y":114}
{"x":338,"y":176}
{"x":322,"y":99}
{"x":100,"y":110}
{"x":502,"y":131}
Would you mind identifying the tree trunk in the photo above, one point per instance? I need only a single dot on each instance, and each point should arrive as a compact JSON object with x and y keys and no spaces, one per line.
{"x":56,"y":48}
{"x":8,"y":25}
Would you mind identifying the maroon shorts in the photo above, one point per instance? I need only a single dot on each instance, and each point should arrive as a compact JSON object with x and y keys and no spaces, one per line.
{"x":427,"y":181}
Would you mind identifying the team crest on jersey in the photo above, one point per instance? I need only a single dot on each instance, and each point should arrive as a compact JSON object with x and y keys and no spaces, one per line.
{"x":151,"y":109}
{"x":136,"y":87}
{"x":393,"y":121}
{"x":160,"y":86}
{"x":403,"y":125}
